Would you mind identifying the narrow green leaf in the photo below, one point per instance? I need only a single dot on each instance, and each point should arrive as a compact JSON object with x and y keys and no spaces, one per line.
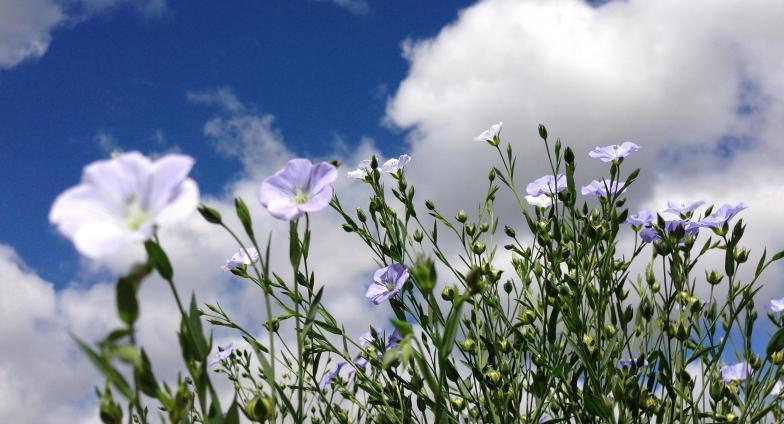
{"x":159,"y":260}
{"x":106,"y":368}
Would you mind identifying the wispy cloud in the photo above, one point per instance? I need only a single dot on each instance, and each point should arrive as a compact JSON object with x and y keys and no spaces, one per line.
{"x":357,"y":7}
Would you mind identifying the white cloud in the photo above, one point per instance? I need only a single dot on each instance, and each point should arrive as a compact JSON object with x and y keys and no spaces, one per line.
{"x":26,"y":26}
{"x":699,"y":85}
{"x":357,"y":7}
{"x":43,"y":367}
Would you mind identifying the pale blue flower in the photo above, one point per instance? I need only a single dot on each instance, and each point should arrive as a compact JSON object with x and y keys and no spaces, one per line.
{"x":776,"y":305}
{"x":490,"y":133}
{"x":541,"y":201}
{"x":599,"y":188}
{"x":682,"y":207}
{"x":736,"y":372}
{"x":642,"y":218}
{"x":362,"y":170}
{"x":630,"y":363}
{"x":121,"y":200}
{"x":722,"y":215}
{"x":298,"y":188}
{"x":387,"y":282}
{"x":649,"y":235}
{"x":241,"y":258}
{"x":393,"y":165}
{"x":222,"y":355}
{"x":547,"y":184}
{"x":332,"y":375}
{"x":614,"y":151}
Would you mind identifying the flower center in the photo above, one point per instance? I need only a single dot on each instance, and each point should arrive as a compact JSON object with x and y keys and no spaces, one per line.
{"x":390,"y":285}
{"x":135,"y":215}
{"x":300,"y":196}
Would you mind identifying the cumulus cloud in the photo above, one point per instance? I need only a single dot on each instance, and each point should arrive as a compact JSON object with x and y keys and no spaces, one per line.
{"x":697,"y":84}
{"x":26,"y":26}
{"x":43,"y":366}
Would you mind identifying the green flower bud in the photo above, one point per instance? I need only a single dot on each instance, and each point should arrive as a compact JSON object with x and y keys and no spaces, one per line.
{"x":492,"y":376}
{"x":259,"y":409}
{"x":491,"y":175}
{"x":470,"y":229}
{"x":478,"y":248}
{"x":505,"y":346}
{"x":527,"y":316}
{"x":655,"y":287}
{"x":209,"y":214}
{"x":448,"y":293}
{"x":508,"y":287}
{"x":483,"y":227}
{"x":373,"y":162}
{"x":458,"y":404}
{"x":361,"y":215}
{"x":509,"y":231}
{"x":468,"y":345}
{"x":542,"y":132}
{"x":683,"y":332}
{"x":650,"y":278}
{"x":777,"y":358}
{"x":418,"y":236}
{"x":461,"y":216}
{"x":610,"y":330}
{"x":741,"y":255}
{"x":347,"y":227}
{"x":429,"y":205}
{"x":713,"y":277}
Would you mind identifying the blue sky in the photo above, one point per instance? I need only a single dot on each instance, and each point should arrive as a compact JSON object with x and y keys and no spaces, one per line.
{"x":699,"y":85}
{"x":323,"y":71}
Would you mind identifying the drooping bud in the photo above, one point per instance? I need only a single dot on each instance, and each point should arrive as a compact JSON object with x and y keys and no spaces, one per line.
{"x":448,"y":293}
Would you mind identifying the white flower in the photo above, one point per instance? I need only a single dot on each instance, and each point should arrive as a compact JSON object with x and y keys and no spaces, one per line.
{"x":121,"y":200}
{"x":777,"y":388}
{"x":392,"y":165}
{"x":490,"y":133}
{"x":361,"y":170}
{"x":241,"y":258}
{"x":542,"y":201}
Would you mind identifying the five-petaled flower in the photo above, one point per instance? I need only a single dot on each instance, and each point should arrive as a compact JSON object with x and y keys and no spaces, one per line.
{"x":393,"y":165}
{"x":614,"y":151}
{"x":599,"y":188}
{"x":642,"y":218}
{"x":737,"y":372}
{"x":241,"y":258}
{"x":548,"y":184}
{"x":387,"y":282}
{"x":542,"y":201}
{"x":776,"y":305}
{"x":490,"y":134}
{"x":362,"y":170}
{"x":121,"y":200}
{"x":683,"y":207}
{"x":222,"y":355}
{"x":722,"y":215}
{"x":298,"y":188}
{"x":332,"y":375}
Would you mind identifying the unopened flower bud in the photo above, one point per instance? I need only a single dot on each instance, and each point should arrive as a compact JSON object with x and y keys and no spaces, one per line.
{"x":483,"y":227}
{"x":505,"y":346}
{"x":777,"y":358}
{"x":610,"y":330}
{"x":418,"y":236}
{"x":509,"y":231}
{"x":655,"y":287}
{"x":259,"y":409}
{"x":458,"y":404}
{"x":508,"y":287}
{"x":468,"y":345}
{"x":347,"y":228}
{"x":448,"y":293}
{"x":478,"y":248}
{"x":542,"y":132}
{"x":741,"y":255}
{"x":713,"y":277}
{"x":528,"y":316}
{"x":429,"y":205}
{"x":492,"y":376}
{"x":470,"y":229}
{"x":650,"y":278}
{"x":461,"y":216}
{"x":491,"y":174}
